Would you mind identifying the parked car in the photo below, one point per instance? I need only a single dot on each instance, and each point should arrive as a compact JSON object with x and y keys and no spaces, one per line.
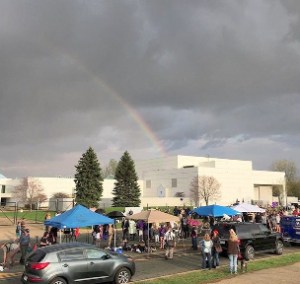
{"x":290,"y":229}
{"x":77,"y":263}
{"x":254,"y":238}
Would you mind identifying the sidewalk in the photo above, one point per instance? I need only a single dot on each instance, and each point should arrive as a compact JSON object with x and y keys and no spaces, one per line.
{"x":289,"y":274}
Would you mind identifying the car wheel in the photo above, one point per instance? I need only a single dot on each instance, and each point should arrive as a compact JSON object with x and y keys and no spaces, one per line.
{"x":58,"y":280}
{"x":249,"y":252}
{"x":279,"y":247}
{"x":122,"y":276}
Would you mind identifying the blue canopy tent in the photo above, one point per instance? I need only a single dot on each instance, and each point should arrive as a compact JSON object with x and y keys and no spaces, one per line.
{"x":215,"y":211}
{"x":77,"y":217}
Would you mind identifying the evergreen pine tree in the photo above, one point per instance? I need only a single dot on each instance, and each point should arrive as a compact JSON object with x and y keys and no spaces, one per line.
{"x":126,"y":191}
{"x":88,"y":180}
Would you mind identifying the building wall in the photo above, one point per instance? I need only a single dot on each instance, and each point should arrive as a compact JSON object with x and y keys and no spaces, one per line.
{"x":7,"y":185}
{"x":55,"y":185}
{"x":237,"y":178}
{"x":162,"y":179}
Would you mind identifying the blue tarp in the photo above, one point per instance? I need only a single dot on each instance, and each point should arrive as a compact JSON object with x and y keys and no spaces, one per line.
{"x":215,"y":211}
{"x":78,"y":217}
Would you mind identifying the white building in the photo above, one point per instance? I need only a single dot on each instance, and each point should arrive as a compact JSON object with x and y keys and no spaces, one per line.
{"x":164,"y":178}
{"x":167,"y":182}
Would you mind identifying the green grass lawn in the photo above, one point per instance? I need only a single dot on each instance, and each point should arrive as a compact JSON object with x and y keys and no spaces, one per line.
{"x":39,"y":215}
{"x":206,"y":276}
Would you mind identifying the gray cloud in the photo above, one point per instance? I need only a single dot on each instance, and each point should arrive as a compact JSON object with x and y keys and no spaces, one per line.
{"x":217,"y":78}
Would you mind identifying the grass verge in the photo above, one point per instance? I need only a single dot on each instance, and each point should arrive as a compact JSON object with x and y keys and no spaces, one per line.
{"x":206,"y":276}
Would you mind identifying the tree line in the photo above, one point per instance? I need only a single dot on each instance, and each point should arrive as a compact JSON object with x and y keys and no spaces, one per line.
{"x":89,"y":183}
{"x":89,"y":178}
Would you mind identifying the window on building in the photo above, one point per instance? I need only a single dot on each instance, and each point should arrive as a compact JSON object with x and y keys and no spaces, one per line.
{"x":148,"y":183}
{"x":3,"y":188}
{"x":174,"y":182}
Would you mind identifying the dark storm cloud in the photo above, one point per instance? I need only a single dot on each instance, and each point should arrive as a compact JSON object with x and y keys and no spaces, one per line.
{"x":218,"y":78}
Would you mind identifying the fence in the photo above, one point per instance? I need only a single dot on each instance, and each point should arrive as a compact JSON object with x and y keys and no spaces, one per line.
{"x":11,"y":212}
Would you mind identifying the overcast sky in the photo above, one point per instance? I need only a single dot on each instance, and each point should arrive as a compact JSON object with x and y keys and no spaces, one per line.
{"x":157,"y":77}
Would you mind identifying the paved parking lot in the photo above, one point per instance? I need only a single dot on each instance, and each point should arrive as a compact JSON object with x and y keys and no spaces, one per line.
{"x":155,"y":266}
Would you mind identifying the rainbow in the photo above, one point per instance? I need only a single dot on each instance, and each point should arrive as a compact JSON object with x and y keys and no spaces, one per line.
{"x":134,"y":114}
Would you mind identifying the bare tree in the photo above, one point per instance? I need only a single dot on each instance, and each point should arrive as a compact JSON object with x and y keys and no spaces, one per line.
{"x":205,"y":187}
{"x":29,"y":191}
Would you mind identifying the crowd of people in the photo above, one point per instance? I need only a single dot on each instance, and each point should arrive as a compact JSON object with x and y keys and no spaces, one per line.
{"x":200,"y":232}
{"x":137,"y":235}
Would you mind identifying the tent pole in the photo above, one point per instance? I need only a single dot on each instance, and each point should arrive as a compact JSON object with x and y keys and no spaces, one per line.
{"x":115,"y":234}
{"x":148,"y":238}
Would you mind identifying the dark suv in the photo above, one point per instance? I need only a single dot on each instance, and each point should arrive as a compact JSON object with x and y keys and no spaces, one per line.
{"x":254,"y":237}
{"x":76,"y":263}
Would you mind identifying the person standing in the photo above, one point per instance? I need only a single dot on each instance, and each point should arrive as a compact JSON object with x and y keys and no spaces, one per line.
{"x":162,"y":231}
{"x":44,"y":240}
{"x":110,"y":231}
{"x":206,"y":248}
{"x":194,"y":238}
{"x":216,"y":249}
{"x":296,"y":212}
{"x":233,"y":251}
{"x":47,"y":217}
{"x":23,"y":224}
{"x":170,"y":243}
{"x":132,"y":230}
{"x":125,"y":226}
{"x":140,"y":230}
{"x":155,"y":231}
{"x":18,"y":230}
{"x":24,"y":244}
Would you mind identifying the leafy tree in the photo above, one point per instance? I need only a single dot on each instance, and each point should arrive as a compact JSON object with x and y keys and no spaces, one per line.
{"x":295,"y":188}
{"x":88,"y":180}
{"x":290,"y":170}
{"x":29,"y":191}
{"x":205,"y":187}
{"x":126,"y":191}
{"x":110,"y":169}
{"x":60,"y":195}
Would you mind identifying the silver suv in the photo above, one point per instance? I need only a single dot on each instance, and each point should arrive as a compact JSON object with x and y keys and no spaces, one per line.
{"x":77,"y":263}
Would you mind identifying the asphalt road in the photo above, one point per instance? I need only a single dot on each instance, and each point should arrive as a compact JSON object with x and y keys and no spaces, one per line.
{"x":157,"y":266}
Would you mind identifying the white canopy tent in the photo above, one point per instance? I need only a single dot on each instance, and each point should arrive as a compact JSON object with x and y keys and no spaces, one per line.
{"x":248,"y":208}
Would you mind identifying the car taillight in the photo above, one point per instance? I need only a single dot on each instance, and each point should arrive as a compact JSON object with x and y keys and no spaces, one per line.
{"x":39,"y":265}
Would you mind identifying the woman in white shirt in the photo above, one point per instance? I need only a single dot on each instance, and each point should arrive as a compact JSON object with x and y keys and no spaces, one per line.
{"x":169,"y":239}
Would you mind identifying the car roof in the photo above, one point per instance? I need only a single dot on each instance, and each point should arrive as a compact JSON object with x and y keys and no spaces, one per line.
{"x":63,"y":246}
